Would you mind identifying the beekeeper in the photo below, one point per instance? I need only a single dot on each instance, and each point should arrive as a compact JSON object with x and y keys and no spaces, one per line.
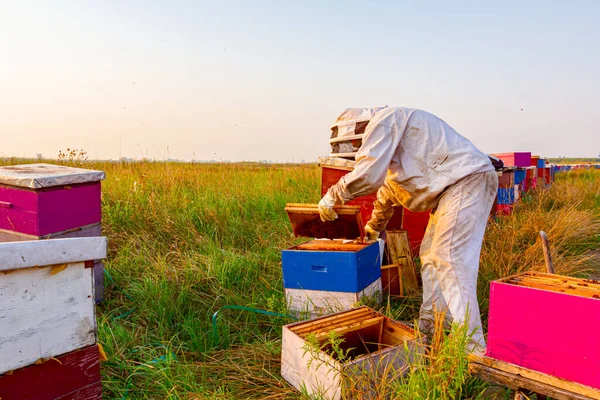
{"x":414,"y":159}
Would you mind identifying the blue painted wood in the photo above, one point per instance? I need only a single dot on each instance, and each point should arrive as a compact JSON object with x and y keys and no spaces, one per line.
{"x":506,"y":195}
{"x":335,"y":271}
{"x":519,"y":176}
{"x":541,"y":163}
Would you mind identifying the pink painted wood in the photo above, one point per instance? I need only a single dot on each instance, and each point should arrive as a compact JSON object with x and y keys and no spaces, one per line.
{"x":516,"y":159}
{"x":47,"y":211}
{"x":546,"y":331}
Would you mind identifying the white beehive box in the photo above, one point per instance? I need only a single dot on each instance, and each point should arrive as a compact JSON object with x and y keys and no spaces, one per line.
{"x":47,"y":303}
{"x":379,"y":350}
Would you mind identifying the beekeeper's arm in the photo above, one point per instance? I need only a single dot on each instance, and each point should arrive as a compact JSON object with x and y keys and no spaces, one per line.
{"x":380,"y":142}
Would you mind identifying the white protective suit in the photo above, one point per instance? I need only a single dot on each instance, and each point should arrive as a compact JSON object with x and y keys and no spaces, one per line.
{"x":414,"y":159}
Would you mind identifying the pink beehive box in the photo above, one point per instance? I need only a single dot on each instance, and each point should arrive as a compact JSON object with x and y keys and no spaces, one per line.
{"x":45,"y":201}
{"x":515,"y":159}
{"x":547,"y":323}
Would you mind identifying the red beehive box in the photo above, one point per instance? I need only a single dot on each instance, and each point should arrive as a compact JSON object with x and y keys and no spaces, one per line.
{"x":44,"y":199}
{"x":75,"y":375}
{"x":547,"y":323}
{"x":415,"y":223}
{"x":332,"y":170}
{"x":517,"y":159}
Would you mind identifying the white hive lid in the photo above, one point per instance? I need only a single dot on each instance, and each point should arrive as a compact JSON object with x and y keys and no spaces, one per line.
{"x":36,"y":176}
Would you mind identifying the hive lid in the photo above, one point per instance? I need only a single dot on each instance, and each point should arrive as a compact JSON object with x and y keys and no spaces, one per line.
{"x":306,"y":222}
{"x":36,"y":176}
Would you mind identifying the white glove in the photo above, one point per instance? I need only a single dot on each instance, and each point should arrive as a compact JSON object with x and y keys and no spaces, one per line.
{"x":371,"y":235}
{"x":326,"y":208}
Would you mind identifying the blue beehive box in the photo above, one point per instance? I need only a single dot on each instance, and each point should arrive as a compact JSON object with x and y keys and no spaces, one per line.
{"x":506,"y":195}
{"x":541,"y":163}
{"x":331,"y":266}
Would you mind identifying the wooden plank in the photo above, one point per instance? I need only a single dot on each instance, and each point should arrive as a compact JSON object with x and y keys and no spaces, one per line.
{"x":66,"y":377}
{"x":329,"y":320}
{"x":83,"y":231}
{"x":400,"y":253}
{"x":516,"y":377}
{"x":322,"y":334}
{"x":37,"y":176}
{"x":16,"y":255}
{"x":321,"y":245}
{"x":45,"y":315}
{"x":391,"y":280}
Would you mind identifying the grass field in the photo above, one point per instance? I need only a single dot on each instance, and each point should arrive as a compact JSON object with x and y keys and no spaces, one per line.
{"x":186,"y":240}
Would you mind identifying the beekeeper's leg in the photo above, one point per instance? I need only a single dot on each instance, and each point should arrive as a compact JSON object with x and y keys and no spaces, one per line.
{"x":460,"y":221}
{"x":433,"y":298}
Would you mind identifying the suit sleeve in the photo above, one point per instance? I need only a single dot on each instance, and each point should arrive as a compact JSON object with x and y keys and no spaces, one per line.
{"x":381,"y":139}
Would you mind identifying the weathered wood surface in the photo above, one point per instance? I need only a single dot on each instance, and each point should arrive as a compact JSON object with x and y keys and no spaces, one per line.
{"x":91,"y":230}
{"x":75,"y":375}
{"x":400,"y":253}
{"x":337,"y":163}
{"x":320,"y":302}
{"x":306,"y":222}
{"x":556,"y":283}
{"x":331,"y":245}
{"x":45,"y":312}
{"x":17,"y":255}
{"x":36,"y":176}
{"x":516,"y":377}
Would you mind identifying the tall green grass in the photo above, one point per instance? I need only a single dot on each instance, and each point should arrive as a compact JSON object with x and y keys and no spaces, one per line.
{"x":185,"y":240}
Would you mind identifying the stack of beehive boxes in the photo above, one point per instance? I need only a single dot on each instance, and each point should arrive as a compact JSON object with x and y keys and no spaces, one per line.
{"x":512,"y":182}
{"x":51,"y":275}
{"x":334,"y":272}
{"x":47,"y":319}
{"x":44,"y":201}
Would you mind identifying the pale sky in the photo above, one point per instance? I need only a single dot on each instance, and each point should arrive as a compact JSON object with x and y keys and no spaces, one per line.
{"x":255,"y":80}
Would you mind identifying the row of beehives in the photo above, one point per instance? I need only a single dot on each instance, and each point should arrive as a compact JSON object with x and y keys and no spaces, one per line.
{"x":50,"y":279}
{"x":521,"y":174}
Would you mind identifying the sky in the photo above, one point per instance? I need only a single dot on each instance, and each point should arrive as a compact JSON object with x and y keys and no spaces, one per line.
{"x":264,"y":80}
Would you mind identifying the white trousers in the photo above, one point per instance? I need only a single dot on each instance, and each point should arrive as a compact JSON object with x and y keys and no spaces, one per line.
{"x":450,"y":254}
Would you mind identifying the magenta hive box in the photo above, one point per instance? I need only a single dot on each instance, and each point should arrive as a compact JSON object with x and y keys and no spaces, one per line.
{"x":548,"y":323}
{"x":45,"y":201}
{"x":516,"y":159}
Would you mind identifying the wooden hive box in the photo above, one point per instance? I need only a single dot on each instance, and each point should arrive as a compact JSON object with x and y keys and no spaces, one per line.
{"x":333,"y":169}
{"x":378,"y":350}
{"x":47,"y":292}
{"x":515,"y":159}
{"x":44,"y":199}
{"x":547,"y":323}
{"x":322,"y":276}
{"x":415,"y":224}
{"x":73,"y":376}
{"x":531,"y":178}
